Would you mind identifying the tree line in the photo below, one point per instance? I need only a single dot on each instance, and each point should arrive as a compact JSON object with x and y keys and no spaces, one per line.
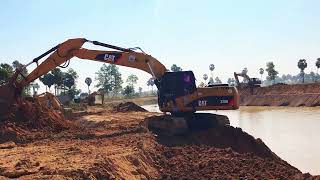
{"x":7,"y":70}
{"x":272,"y":76}
{"x":64,"y":83}
{"x":109,"y":79}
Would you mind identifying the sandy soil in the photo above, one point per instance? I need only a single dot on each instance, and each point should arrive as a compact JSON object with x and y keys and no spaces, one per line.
{"x":282,"y":95}
{"x":107,"y":144}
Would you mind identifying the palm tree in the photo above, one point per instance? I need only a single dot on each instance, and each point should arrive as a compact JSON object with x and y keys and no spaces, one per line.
{"x":88,"y":81}
{"x":151,"y":84}
{"x":302,"y":64}
{"x":261,"y":71}
{"x":318,"y":66}
{"x":211,"y":67}
{"x":205,"y":77}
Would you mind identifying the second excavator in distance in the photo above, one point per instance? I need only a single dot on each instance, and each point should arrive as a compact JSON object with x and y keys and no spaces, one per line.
{"x":177,"y":91}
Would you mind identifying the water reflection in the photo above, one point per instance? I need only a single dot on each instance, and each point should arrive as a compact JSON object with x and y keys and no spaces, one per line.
{"x":291,"y":132}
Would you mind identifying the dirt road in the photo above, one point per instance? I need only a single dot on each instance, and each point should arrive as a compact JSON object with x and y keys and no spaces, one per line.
{"x":107,"y":144}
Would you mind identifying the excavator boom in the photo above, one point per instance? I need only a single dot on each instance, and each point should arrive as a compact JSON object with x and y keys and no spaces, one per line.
{"x":72,"y":48}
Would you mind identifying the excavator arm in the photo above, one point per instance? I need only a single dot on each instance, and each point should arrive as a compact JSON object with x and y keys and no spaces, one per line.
{"x":245,"y":77}
{"x":72,"y":48}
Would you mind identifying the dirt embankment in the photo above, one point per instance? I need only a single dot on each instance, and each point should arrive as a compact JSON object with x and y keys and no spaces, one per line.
{"x":30,"y":119}
{"x":115,"y":144}
{"x":282,"y":95}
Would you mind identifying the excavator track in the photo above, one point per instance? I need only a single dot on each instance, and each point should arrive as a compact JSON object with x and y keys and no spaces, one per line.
{"x":182,"y":124}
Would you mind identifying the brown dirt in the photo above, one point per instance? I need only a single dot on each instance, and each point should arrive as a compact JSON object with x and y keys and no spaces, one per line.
{"x":104,"y":144}
{"x":29,"y":117}
{"x":282,"y":95}
{"x":128,"y":107}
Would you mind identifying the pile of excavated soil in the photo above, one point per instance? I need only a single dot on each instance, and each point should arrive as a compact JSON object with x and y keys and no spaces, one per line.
{"x":138,"y":156}
{"x":282,"y":95}
{"x":30,"y":116}
{"x":208,"y":162}
{"x":128,"y":107}
{"x":209,"y":131}
{"x":214,"y":150}
{"x":120,"y":147}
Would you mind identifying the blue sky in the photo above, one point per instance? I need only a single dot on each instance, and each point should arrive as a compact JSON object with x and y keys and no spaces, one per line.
{"x":192,"y":34}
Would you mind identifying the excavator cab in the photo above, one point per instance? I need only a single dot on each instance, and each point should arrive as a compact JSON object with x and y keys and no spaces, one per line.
{"x":175,"y":84}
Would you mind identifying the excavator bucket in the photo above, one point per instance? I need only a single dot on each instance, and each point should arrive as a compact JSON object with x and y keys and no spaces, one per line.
{"x":7,"y":98}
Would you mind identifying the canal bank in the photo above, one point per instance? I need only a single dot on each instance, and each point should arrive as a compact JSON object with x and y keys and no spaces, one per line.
{"x":294,"y":95}
{"x":291,"y":132}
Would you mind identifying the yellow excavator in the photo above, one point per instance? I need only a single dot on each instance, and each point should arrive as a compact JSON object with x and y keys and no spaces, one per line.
{"x":248,"y":82}
{"x":177,"y":91}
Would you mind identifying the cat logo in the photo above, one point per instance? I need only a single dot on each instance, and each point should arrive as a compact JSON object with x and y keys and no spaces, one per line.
{"x":132,"y":58}
{"x":109,"y":57}
{"x":202,"y":103}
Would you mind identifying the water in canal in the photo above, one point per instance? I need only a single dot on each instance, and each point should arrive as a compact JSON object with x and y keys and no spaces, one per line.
{"x":293,"y":133}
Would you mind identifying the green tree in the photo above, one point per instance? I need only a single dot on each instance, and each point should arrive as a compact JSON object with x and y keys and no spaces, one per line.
{"x":312,"y":76}
{"x":205,"y":77}
{"x":211,"y":68}
{"x":272,"y":73}
{"x":68,"y":80}
{"x":175,"y":68}
{"x":318,"y":64}
{"x":261,"y":71}
{"x":150,"y":82}
{"x":132,"y":80}
{"x":16,"y":64}
{"x":88,"y":81}
{"x":231,"y":81}
{"x":128,"y":91}
{"x":6,"y":71}
{"x":302,"y":64}
{"x":218,"y":81}
{"x":47,"y":80}
{"x":73,"y":73}
{"x":140,"y":91}
{"x":109,"y":78}
{"x":211,"y":81}
{"x":72,"y":92}
{"x":57,"y":79}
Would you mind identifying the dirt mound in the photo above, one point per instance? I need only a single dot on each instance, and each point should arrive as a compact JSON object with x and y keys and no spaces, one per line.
{"x":206,"y":162}
{"x":282,"y":95}
{"x":119,"y":147}
{"x":210,"y":130}
{"x":128,"y":107}
{"x":217,"y":151}
{"x":30,"y":116}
